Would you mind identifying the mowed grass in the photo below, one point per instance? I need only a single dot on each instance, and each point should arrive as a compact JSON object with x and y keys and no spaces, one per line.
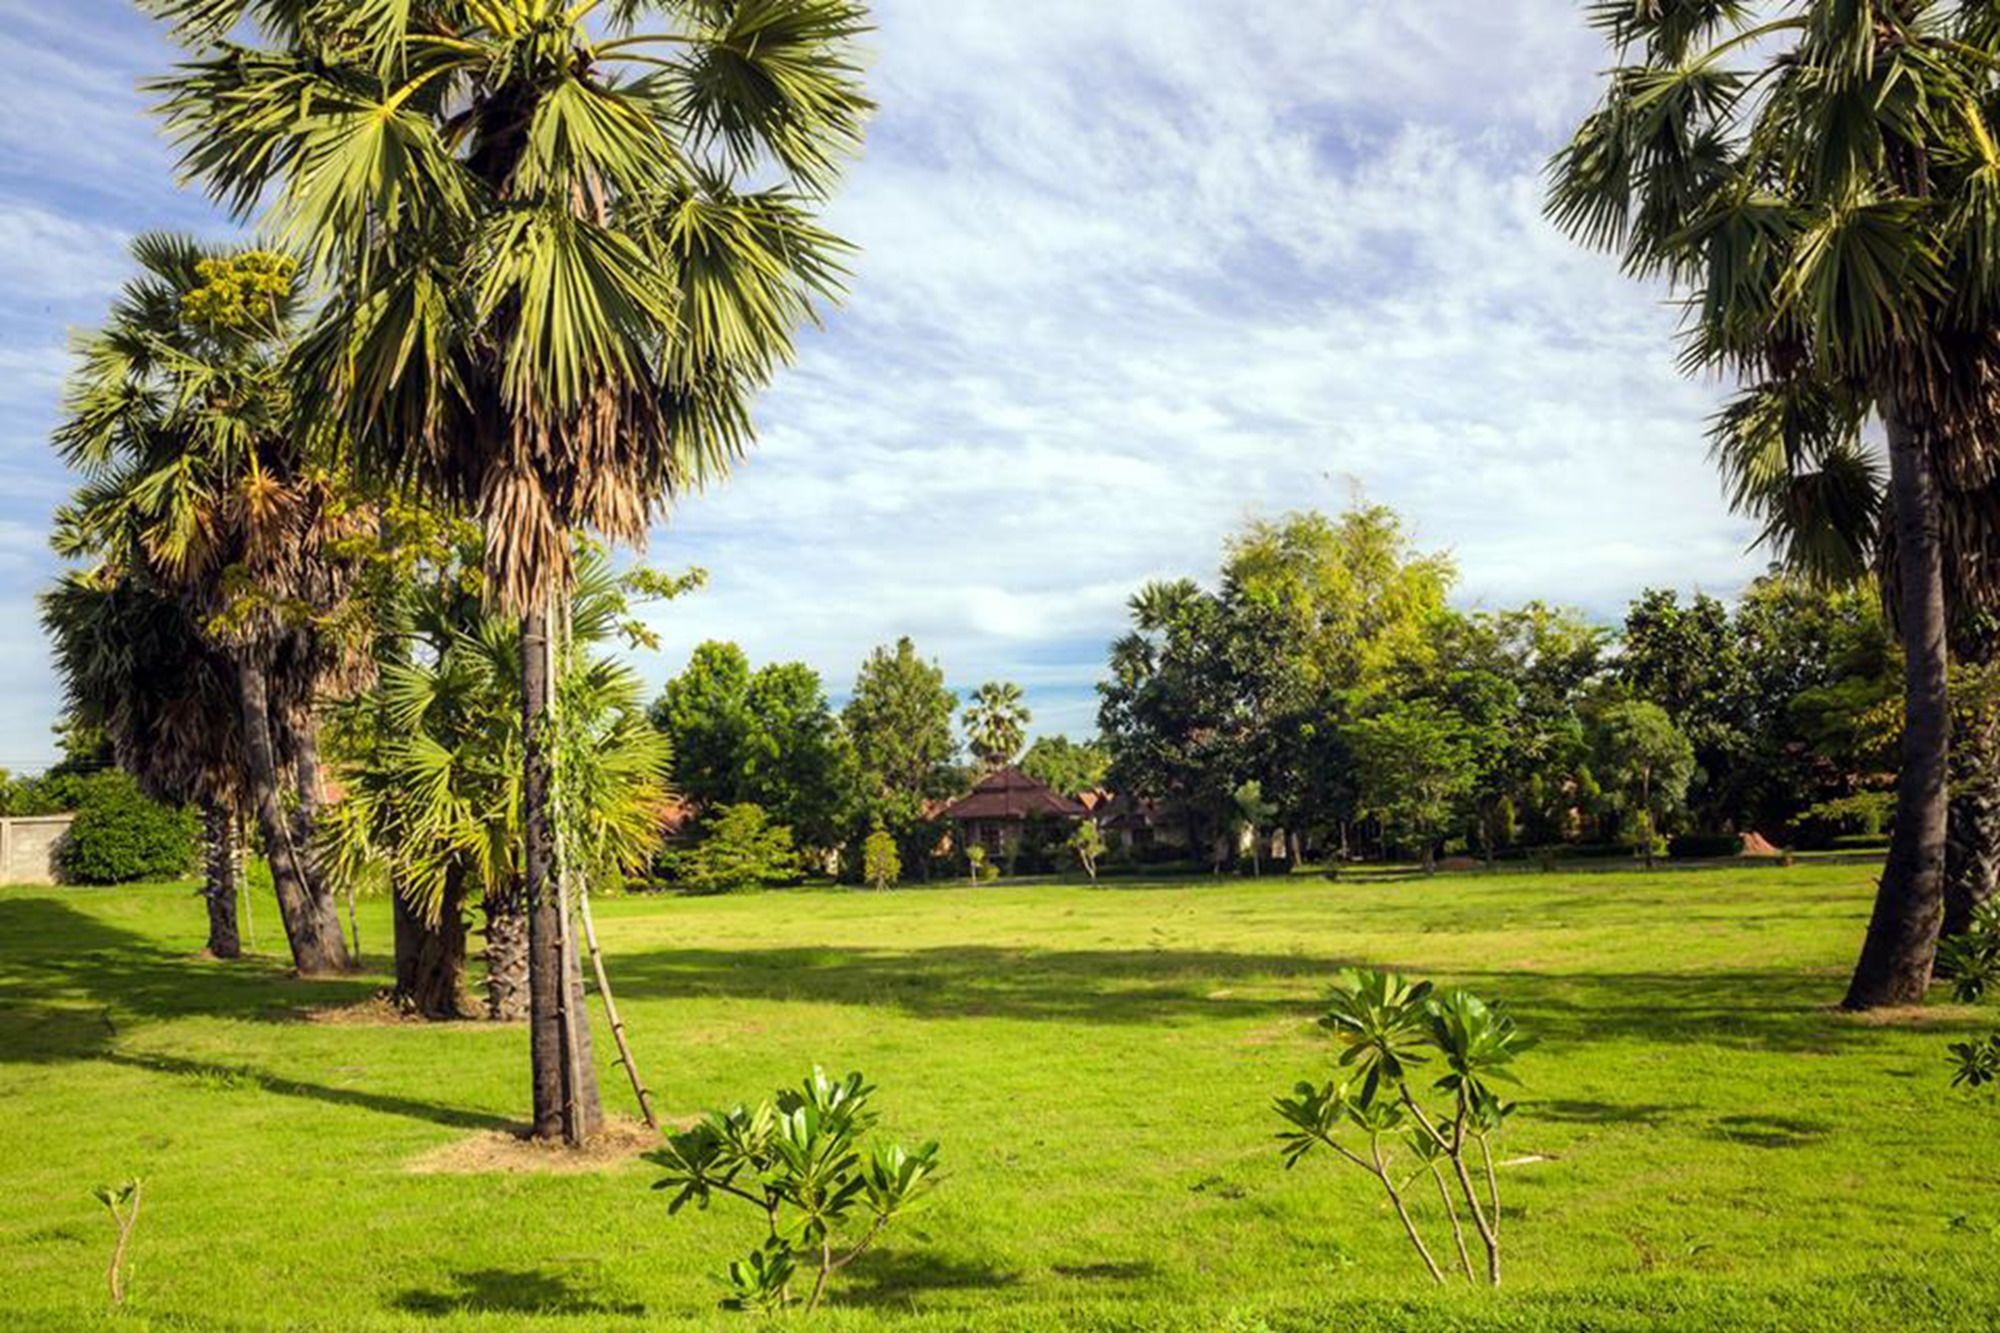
{"x":1723,"y":1150}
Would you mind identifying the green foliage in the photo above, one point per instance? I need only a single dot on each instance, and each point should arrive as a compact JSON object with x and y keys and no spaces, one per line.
{"x":1645,"y":764}
{"x":1865,"y":812}
{"x":738,"y":847}
{"x":899,"y":721}
{"x":767,"y":737}
{"x":1067,"y":766}
{"x":1388,"y":1028}
{"x":1087,"y":845}
{"x":121,"y":837}
{"x":1414,"y":765}
{"x":801,"y":1159}
{"x":430,"y":760}
{"x":881,"y":866}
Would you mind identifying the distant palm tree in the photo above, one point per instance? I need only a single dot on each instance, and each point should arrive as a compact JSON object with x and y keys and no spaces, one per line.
{"x":135,"y":666}
{"x":201,"y":483}
{"x":1821,"y":180}
{"x":563,"y":254}
{"x":996,"y":724}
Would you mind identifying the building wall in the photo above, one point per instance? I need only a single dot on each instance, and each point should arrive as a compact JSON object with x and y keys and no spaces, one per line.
{"x":28,"y":848}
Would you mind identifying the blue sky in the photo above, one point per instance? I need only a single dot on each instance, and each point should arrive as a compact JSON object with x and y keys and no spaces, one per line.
{"x":1132,"y":273}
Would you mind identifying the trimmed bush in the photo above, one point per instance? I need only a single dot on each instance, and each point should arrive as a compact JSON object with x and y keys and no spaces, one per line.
{"x":1705,"y":846}
{"x":120,"y":837}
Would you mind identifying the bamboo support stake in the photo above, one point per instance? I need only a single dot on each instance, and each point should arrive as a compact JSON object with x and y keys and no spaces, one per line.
{"x":611,"y":1015}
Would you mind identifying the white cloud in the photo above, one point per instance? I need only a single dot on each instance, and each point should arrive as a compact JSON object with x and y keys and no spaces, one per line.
{"x":1131,"y":272}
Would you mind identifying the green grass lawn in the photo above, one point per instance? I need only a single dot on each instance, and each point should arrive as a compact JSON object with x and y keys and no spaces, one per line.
{"x":1724,"y":1151}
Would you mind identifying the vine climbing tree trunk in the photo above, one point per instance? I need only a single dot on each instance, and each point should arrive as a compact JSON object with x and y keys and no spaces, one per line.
{"x":563,"y":1077}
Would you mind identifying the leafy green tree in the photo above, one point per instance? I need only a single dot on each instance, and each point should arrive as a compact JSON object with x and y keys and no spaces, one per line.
{"x":202,"y":480}
{"x":881,"y":866}
{"x":996,"y":724}
{"x":1067,"y":766}
{"x":1646,"y":765}
{"x":768,"y":737}
{"x":561,"y":255}
{"x":899,"y":720}
{"x":1688,"y":660}
{"x":1253,"y":813}
{"x":1818,"y":178}
{"x":1415,"y":767}
{"x":738,"y":848}
{"x":1087,"y":845}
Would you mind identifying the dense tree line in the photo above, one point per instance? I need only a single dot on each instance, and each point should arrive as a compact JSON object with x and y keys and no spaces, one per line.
{"x":1327,"y":668}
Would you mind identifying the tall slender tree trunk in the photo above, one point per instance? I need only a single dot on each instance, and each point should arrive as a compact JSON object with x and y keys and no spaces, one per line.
{"x":506,"y":953}
{"x":312,"y":926}
{"x":1901,"y":945}
{"x":566,"y":1103}
{"x":219,"y":833}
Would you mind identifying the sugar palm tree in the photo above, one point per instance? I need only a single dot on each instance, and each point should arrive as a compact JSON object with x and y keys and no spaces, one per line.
{"x":1821,"y":181}
{"x":996,"y":723}
{"x":134,"y":665}
{"x":563,"y":251}
{"x":199,"y":483}
{"x":1822,"y":513}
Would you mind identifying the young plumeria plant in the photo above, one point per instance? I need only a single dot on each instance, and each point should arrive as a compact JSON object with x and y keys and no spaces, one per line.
{"x":1971,"y":962}
{"x":1381,"y":1114}
{"x":798,"y":1158}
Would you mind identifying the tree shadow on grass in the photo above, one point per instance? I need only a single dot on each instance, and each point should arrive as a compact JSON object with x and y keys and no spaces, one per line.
{"x":60,"y":961}
{"x":221,"y":1078}
{"x":68,"y":982}
{"x":896,"y":1278}
{"x":1767,"y":1010}
{"x":534,"y":1291}
{"x":1771,"y":1131}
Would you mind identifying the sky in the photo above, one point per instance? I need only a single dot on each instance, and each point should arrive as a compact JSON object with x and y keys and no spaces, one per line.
{"x":1131,"y":273}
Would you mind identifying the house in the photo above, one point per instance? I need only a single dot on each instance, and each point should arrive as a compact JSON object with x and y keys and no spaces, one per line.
{"x":995,"y":814}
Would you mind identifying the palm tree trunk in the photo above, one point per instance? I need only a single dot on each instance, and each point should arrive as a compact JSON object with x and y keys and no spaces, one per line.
{"x":506,"y":954}
{"x":566,"y":1104}
{"x":430,"y":956}
{"x":1901,"y":945}
{"x":310,"y":797}
{"x":219,"y":831}
{"x":312,"y":926}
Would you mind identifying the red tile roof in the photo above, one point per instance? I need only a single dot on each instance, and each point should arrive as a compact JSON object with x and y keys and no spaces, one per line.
{"x":1009,"y":793}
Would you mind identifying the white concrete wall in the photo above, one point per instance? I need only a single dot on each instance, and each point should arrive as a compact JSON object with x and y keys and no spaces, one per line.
{"x":28,"y":848}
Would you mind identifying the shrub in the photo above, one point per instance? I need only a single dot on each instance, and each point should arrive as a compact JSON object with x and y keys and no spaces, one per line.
{"x":739,"y":849}
{"x":881,"y":867}
{"x":119,"y":836}
{"x":1088,"y":845}
{"x":1704,"y":846}
{"x":799,"y":1160}
{"x":1390,"y":1028}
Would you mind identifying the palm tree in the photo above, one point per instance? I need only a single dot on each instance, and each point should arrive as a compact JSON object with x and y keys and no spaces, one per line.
{"x":430,"y":769}
{"x":996,"y":723}
{"x":134,"y":665}
{"x":562,"y":255}
{"x":1821,"y":181}
{"x":199,"y":483}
